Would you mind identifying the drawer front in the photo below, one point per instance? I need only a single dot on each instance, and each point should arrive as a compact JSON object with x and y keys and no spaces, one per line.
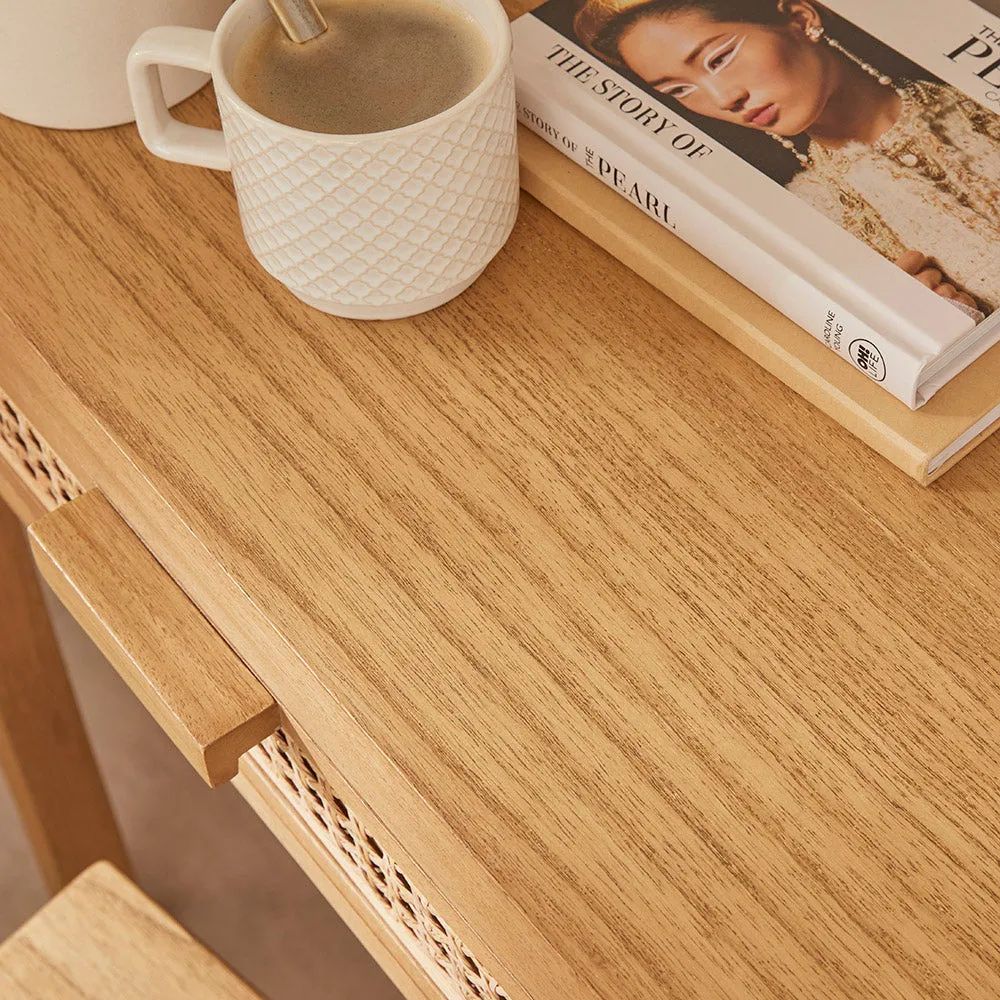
{"x":319,"y":805}
{"x":201,"y":693}
{"x":308,"y":811}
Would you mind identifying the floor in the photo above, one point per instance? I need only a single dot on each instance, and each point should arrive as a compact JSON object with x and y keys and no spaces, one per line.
{"x":201,"y":853}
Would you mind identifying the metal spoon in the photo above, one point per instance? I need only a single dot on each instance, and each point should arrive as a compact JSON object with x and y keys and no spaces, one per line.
{"x":301,"y":19}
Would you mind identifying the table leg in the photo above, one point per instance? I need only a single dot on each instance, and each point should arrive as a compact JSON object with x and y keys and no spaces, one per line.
{"x":44,"y":750}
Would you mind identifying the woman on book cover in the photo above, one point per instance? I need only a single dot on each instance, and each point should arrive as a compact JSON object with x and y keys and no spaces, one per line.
{"x":911,"y":166}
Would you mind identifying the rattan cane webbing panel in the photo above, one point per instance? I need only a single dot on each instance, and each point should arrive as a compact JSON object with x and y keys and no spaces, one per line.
{"x":27,"y":453}
{"x":455,"y":970}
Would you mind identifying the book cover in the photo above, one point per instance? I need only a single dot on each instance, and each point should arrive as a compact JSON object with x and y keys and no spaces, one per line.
{"x":841,"y":160}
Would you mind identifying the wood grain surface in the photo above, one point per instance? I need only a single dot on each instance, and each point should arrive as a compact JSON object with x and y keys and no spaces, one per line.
{"x":102,"y":938}
{"x":201,"y":694}
{"x":658,"y":682}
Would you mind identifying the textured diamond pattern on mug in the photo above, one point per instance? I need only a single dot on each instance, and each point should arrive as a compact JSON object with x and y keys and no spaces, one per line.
{"x":369,"y":223}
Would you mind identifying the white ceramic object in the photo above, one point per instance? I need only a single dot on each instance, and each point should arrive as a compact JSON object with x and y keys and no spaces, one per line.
{"x":371,"y":226}
{"x":62,"y":62}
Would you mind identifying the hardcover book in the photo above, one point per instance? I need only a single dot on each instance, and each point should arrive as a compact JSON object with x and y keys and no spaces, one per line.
{"x":841,"y":160}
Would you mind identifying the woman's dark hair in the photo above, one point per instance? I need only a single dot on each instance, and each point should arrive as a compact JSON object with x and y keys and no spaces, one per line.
{"x":599,"y":24}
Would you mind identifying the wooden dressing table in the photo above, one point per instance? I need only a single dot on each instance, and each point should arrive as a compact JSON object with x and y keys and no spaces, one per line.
{"x":604,"y":666}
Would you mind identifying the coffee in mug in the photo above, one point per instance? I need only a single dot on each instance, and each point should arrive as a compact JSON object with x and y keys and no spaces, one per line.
{"x":383,"y":64}
{"x":363,"y":224}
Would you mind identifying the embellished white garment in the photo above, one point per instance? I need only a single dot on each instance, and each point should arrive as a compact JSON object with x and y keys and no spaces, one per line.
{"x":931,"y":183}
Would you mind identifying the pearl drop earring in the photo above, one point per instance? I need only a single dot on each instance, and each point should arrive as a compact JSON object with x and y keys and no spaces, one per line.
{"x":883,"y":78}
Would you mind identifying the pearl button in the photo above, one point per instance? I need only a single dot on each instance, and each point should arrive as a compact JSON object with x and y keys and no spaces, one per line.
{"x":909,"y":160}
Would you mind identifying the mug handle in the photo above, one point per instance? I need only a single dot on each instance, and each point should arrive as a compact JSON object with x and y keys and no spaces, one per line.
{"x":164,"y":135}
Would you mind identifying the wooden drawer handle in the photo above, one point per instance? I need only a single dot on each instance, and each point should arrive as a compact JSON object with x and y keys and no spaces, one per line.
{"x":178,"y":666}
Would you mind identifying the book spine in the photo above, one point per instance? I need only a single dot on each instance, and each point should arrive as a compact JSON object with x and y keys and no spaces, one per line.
{"x":827,"y":320}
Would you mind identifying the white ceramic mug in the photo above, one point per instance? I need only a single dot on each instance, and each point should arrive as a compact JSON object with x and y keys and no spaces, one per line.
{"x":370,"y":226}
{"x":62,"y":62}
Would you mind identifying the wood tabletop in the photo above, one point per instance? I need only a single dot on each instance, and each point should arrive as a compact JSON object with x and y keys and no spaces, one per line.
{"x":662,"y":683}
